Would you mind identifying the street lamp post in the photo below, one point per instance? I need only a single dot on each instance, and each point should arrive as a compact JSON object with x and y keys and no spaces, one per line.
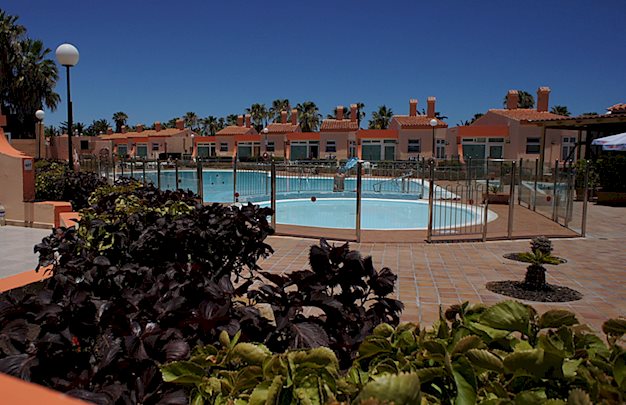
{"x":433,"y":124}
{"x":67,"y":55}
{"x":265,"y":142}
{"x":39,"y":114}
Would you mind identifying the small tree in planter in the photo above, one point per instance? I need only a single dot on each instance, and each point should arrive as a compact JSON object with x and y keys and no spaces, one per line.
{"x":540,"y":254}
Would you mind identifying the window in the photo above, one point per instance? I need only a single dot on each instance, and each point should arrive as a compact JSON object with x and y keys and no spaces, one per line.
{"x":155,"y":146}
{"x":223,"y":146}
{"x":270,"y":147}
{"x":352,"y":149}
{"x":440,"y":151}
{"x":533,"y":145}
{"x":122,"y":150}
{"x":304,"y":150}
{"x":373,"y":150}
{"x":142,"y":150}
{"x":331,"y":146}
{"x":414,"y":146}
{"x":84,"y":145}
{"x":569,"y":145}
{"x":206,"y":150}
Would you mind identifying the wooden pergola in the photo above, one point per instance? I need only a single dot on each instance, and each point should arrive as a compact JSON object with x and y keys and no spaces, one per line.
{"x":594,"y":126}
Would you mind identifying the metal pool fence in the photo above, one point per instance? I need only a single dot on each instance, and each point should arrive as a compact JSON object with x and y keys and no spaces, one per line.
{"x":470,"y":200}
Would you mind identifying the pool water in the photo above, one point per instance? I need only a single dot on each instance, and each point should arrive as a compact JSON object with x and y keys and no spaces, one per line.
{"x":376,"y":213}
{"x":386,"y":204}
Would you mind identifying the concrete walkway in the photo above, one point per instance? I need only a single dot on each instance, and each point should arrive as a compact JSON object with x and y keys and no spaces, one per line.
{"x":16,"y":249}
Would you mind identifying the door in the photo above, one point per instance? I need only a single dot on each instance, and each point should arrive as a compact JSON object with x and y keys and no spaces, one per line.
{"x":495,"y":152}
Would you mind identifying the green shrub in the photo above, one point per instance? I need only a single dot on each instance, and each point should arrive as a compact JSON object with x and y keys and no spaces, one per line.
{"x":611,"y":171}
{"x":503,"y":354}
{"x":54,"y":182}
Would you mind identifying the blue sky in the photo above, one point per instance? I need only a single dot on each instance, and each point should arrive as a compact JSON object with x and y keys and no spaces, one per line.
{"x":158,"y":59}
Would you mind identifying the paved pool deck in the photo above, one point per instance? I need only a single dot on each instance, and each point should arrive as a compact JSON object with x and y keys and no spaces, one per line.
{"x":430,"y":275}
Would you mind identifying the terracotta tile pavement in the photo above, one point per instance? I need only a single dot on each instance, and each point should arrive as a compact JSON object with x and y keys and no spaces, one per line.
{"x":430,"y":275}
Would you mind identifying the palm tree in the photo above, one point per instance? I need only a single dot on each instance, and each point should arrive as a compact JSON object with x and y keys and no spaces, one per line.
{"x":231,"y":119}
{"x":97,"y":127}
{"x":381,"y":118}
{"x":27,"y":76}
{"x":259,"y":115}
{"x":525,"y":100}
{"x":309,"y":117}
{"x":560,"y":110}
{"x":475,"y":117}
{"x":210,"y":125}
{"x":50,"y":131}
{"x":278,"y":105}
{"x":191,"y":120}
{"x":589,"y":113}
{"x":120,"y":119}
{"x":171,"y":123}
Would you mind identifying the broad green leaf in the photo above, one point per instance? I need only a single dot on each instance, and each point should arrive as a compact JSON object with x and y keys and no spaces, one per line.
{"x":467,"y":343}
{"x":531,"y":397}
{"x":259,"y":394}
{"x":619,"y":370}
{"x":224,"y":338}
{"x":251,"y":353}
{"x":508,"y":315}
{"x":402,"y":389}
{"x":465,"y":381}
{"x":430,"y":373}
{"x":614,"y":327}
{"x":554,"y":402}
{"x":529,"y":360}
{"x":522,"y":345}
{"x":198,"y":399}
{"x":578,"y":397}
{"x":484,"y":359}
{"x":555,"y":318}
{"x":182,"y":372}
{"x":373,"y":347}
{"x":491,"y":332}
{"x":383,"y":330}
{"x":443,"y":331}
{"x":570,"y":367}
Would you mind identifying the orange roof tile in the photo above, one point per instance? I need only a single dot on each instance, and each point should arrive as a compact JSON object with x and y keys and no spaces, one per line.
{"x":617,"y":108}
{"x":303,"y":136}
{"x":248,"y":138}
{"x":144,"y":133}
{"x":524,"y":114}
{"x":417,"y":121}
{"x":202,"y":139}
{"x":330,"y":124}
{"x":280,"y":128}
{"x":377,"y":134}
{"x":236,"y":130}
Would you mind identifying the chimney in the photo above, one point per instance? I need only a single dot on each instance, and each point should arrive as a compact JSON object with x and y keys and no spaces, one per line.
{"x":543,"y":95}
{"x":353,"y":113}
{"x":123,"y":129}
{"x":139,"y":127}
{"x":109,"y":131}
{"x":240,"y":120}
{"x":180,"y":124}
{"x":294,"y":117}
{"x":430,"y":110}
{"x":412,"y":107}
{"x":512,"y":99}
{"x":248,"y":120}
{"x":339,"y":112}
{"x":283,"y":117}
{"x":157,"y":126}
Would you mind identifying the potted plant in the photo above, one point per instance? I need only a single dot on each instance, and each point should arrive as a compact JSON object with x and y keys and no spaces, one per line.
{"x":581,"y":166}
{"x":612,"y":178}
{"x":495,"y":195}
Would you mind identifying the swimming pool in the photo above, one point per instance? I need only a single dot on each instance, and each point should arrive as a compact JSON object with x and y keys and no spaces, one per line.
{"x":376,"y":213}
{"x":386,"y":204}
{"x":255,"y":186}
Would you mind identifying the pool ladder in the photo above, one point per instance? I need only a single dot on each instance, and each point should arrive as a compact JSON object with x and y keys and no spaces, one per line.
{"x":402,"y":183}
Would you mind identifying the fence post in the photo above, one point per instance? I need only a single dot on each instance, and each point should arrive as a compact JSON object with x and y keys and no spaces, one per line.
{"x":273,"y":193}
{"x":143,"y":169}
{"x":176,"y":174}
{"x":122,"y":164}
{"x":486,"y":213}
{"x":132,"y":168}
{"x":431,"y":202}
{"x":235,"y":199}
{"x":359,"y":169}
{"x":535,"y":185}
{"x":568,"y":195}
{"x":583,"y":225}
{"x":555,"y":213}
{"x":200,"y":179}
{"x":158,"y":174}
{"x":511,"y":201}
{"x":521,"y":177}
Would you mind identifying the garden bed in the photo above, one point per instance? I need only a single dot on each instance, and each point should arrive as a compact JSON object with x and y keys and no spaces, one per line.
{"x":516,"y":289}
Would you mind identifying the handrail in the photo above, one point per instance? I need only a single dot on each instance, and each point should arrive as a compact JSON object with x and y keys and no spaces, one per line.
{"x":378,"y":186}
